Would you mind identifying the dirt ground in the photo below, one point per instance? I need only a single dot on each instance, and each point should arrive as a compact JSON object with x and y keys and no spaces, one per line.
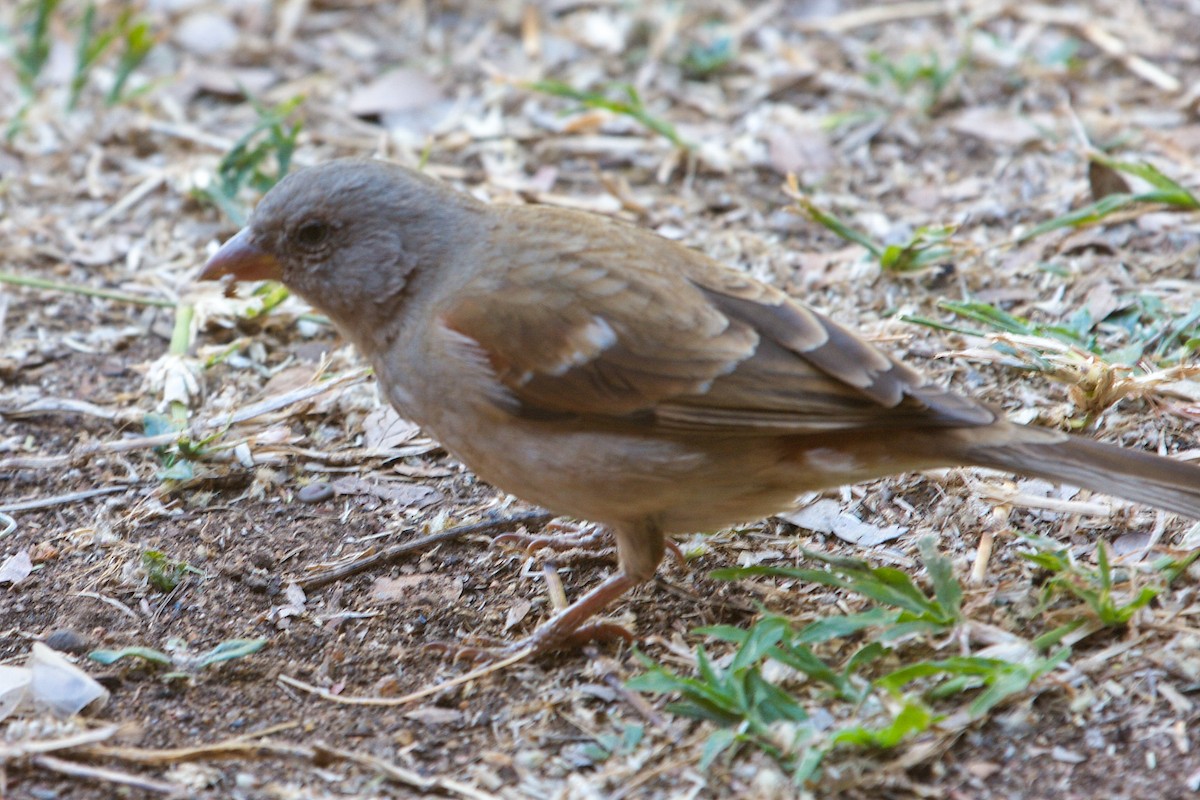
{"x":893,"y":116}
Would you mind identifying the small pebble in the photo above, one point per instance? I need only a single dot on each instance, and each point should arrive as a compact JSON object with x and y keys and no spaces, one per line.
{"x":256,"y":582}
{"x":66,"y":640}
{"x":315,"y":493}
{"x":206,"y":34}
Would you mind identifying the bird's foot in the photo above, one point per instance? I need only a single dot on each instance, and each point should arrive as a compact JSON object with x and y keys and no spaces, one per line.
{"x":596,"y":539}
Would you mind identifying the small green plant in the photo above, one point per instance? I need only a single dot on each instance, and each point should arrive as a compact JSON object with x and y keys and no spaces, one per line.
{"x":952,"y":676}
{"x":704,"y":59}
{"x":91,"y":46}
{"x":1095,"y":587}
{"x":1076,"y":331}
{"x":623,"y":99}
{"x":794,"y":651}
{"x":1094,"y":381}
{"x":904,"y":609}
{"x":33,"y":51}
{"x":914,"y":73}
{"x":1148,"y":335}
{"x":246,"y":165}
{"x":607,"y":745}
{"x":163,"y":572}
{"x":30,"y":55}
{"x":185,"y":664}
{"x":926,"y":248}
{"x":888,"y":703}
{"x":177,"y":458}
{"x":93,"y":42}
{"x":137,"y":41}
{"x":737,"y":698}
{"x":1163,"y":191}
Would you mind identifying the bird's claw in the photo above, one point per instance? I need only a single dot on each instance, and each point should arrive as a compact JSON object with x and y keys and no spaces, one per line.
{"x":594,"y":540}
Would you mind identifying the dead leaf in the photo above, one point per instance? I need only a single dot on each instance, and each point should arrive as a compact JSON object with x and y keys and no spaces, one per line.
{"x":236,"y":83}
{"x":16,"y":568}
{"x":1129,"y":543}
{"x":1101,"y":301}
{"x":1103,"y":180}
{"x":395,"y":91}
{"x":408,"y":495}
{"x":808,"y":153}
{"x":826,"y":516}
{"x":288,"y":379}
{"x":409,"y":589}
{"x":517,"y":612}
{"x":384,"y":429}
{"x":997,"y":126}
{"x":435,"y":715}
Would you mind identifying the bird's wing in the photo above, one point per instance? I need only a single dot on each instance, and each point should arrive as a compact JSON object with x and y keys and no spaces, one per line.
{"x":632,"y":327}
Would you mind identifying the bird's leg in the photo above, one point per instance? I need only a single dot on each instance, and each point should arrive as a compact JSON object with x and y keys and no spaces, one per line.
{"x":640,"y":548}
{"x":595,"y":540}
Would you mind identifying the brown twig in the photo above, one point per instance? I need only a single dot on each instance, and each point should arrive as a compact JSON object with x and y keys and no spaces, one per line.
{"x":1103,"y":40}
{"x":262,"y":748}
{"x":61,"y":499}
{"x":420,"y":694}
{"x":76,"y":770}
{"x":395,"y":552}
{"x":875,"y":15}
{"x":17,"y":750}
{"x":81,"y":455}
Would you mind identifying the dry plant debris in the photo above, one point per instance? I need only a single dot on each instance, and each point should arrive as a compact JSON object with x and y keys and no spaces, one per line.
{"x":1003,"y":192}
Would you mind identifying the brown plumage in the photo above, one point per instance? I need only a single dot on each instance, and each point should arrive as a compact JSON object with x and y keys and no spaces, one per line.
{"x":606,"y":373}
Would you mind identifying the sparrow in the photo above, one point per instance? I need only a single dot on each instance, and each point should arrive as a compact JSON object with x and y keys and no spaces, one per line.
{"x":605,"y":373}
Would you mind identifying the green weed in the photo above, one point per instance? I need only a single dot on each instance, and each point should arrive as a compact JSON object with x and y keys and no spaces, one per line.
{"x":91,"y":46}
{"x":185,"y":665}
{"x":928,"y":247}
{"x":1149,"y":332}
{"x":904,"y":608}
{"x":93,"y":42}
{"x":1110,"y":596}
{"x":137,"y":41}
{"x":704,"y":59}
{"x":32,"y":52}
{"x":737,"y":698}
{"x":177,"y":458}
{"x":622,"y":99}
{"x":165,"y":573}
{"x":607,"y":745}
{"x":921,"y":79}
{"x":891,"y":703}
{"x":1164,"y":191}
{"x":247,"y":164}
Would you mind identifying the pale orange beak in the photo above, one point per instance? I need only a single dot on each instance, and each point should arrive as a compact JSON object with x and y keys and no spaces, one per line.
{"x":242,"y":259}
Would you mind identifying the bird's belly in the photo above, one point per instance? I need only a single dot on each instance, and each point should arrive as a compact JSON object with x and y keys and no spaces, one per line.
{"x":683,"y":483}
{"x":614,"y":477}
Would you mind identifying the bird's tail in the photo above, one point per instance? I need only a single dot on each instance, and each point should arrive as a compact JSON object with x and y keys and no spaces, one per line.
{"x":1132,"y":474}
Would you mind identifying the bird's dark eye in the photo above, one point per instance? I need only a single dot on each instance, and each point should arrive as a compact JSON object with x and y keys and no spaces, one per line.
{"x":312,"y":235}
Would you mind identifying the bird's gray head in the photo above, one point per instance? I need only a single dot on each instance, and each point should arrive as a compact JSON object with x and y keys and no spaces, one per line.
{"x":347,"y":235}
